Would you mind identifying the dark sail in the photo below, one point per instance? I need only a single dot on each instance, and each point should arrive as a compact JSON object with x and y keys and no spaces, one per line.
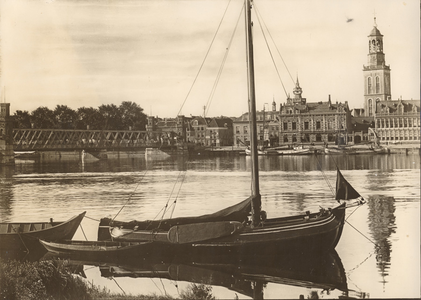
{"x":344,"y":191}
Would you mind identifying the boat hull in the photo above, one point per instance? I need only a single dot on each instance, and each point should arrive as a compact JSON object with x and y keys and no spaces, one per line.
{"x":100,"y":250}
{"x":26,"y":236}
{"x":307,"y":233}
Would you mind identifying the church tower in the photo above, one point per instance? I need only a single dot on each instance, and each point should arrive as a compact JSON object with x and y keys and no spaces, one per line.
{"x":376,"y":73}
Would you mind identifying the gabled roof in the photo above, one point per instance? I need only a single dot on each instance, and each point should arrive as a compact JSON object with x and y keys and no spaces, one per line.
{"x":393,"y":106}
{"x":221,"y":123}
{"x":201,"y":120}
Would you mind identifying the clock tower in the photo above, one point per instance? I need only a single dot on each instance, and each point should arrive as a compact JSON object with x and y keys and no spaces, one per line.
{"x":376,"y":73}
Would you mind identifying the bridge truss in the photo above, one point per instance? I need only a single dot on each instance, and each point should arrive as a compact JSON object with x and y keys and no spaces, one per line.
{"x":61,"y":139}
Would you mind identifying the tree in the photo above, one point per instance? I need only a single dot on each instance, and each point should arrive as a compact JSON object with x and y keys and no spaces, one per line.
{"x":111,"y":117}
{"x":89,"y":116}
{"x":22,"y":119}
{"x":65,"y":117}
{"x":43,"y":118}
{"x":132,"y":116}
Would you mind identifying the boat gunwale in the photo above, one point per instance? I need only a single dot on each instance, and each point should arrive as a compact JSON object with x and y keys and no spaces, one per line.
{"x":34,"y":232}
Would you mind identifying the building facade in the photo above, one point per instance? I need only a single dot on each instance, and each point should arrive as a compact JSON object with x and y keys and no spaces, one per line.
{"x":298,"y":122}
{"x":395,"y":121}
{"x":195,"y":130}
{"x":398,"y":121}
{"x":377,"y":85}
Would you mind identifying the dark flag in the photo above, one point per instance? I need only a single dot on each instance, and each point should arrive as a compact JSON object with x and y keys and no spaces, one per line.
{"x":344,"y":191}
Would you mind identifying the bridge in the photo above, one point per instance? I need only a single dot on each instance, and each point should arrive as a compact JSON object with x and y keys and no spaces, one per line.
{"x":71,"y":139}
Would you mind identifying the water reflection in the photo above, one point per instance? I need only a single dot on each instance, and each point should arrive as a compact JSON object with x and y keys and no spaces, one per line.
{"x":381,"y":222}
{"x":225,"y":163}
{"x":245,"y":275}
{"x":6,"y":189}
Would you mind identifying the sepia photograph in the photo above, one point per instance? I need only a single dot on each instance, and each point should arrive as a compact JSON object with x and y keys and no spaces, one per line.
{"x":209,"y":149}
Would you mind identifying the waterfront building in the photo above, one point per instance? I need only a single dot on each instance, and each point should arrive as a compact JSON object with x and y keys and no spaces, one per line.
{"x":299,"y":122}
{"x":395,"y":121}
{"x":267,"y":128}
{"x":195,"y":130}
{"x":398,"y":121}
{"x":168,"y":130}
{"x":219,"y":132}
{"x":314,"y":122}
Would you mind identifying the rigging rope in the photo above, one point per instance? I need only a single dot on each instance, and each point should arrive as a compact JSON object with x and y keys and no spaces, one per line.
{"x":178,"y":193}
{"x":325,"y":177}
{"x":203,"y":62}
{"x":270,"y":52}
{"x":273,"y":41}
{"x":166,"y":205}
{"x":222,"y":64}
{"x":130,"y":196}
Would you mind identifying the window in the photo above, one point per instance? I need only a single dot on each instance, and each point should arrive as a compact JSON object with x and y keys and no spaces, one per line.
{"x":237,"y":129}
{"x":318,"y":125}
{"x":369,"y":85}
{"x":370,"y":107}
{"x":285,"y":139}
{"x":294,"y":125}
{"x":285,"y":126}
{"x":377,"y":84}
{"x":245,"y":129}
{"x":306,"y":125}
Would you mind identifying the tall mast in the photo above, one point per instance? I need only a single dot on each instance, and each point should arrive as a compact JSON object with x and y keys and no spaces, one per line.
{"x":256,"y":201}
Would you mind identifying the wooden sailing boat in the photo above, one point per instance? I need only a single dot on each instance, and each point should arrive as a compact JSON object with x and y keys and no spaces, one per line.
{"x":243,"y":227}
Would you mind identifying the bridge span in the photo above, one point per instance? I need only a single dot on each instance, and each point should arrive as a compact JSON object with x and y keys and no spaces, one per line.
{"x":72,"y":139}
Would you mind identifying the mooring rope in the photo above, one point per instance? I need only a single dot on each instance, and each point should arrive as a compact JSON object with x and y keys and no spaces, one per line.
{"x":119,"y":286}
{"x":361,"y":233}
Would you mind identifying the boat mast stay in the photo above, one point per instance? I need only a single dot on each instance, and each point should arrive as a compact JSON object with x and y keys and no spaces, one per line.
{"x":255,"y":192}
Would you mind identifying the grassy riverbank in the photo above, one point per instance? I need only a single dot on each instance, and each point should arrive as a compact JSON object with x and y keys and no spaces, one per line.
{"x":55,"y":280}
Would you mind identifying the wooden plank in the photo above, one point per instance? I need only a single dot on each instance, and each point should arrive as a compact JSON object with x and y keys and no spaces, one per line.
{"x":3,"y":228}
{"x":37,"y":226}
{"x":26,"y":227}
{"x":190,"y":233}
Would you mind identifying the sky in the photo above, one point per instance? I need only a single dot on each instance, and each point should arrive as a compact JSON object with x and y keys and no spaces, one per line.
{"x":93,"y":52}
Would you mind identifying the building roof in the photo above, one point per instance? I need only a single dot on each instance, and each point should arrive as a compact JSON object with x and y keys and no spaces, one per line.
{"x":316,"y":107}
{"x":220,"y":122}
{"x":392,"y":106}
{"x":375,"y":32}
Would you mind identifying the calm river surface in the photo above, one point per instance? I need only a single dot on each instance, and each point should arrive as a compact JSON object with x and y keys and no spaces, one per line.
{"x":289,"y":185}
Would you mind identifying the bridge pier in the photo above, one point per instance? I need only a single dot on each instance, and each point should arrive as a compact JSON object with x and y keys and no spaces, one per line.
{"x":7,"y":155}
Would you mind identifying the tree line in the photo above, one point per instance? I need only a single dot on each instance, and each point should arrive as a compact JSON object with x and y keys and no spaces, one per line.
{"x":127,"y":116}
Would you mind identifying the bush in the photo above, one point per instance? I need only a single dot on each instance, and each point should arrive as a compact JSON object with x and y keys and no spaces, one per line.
{"x":197,"y":292}
{"x":40,"y":280}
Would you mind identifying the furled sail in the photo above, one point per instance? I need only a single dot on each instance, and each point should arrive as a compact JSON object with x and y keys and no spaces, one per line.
{"x":237,"y":212}
{"x":344,"y":190}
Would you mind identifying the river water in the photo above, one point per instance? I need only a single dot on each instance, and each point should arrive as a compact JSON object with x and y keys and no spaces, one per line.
{"x":289,"y":185}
